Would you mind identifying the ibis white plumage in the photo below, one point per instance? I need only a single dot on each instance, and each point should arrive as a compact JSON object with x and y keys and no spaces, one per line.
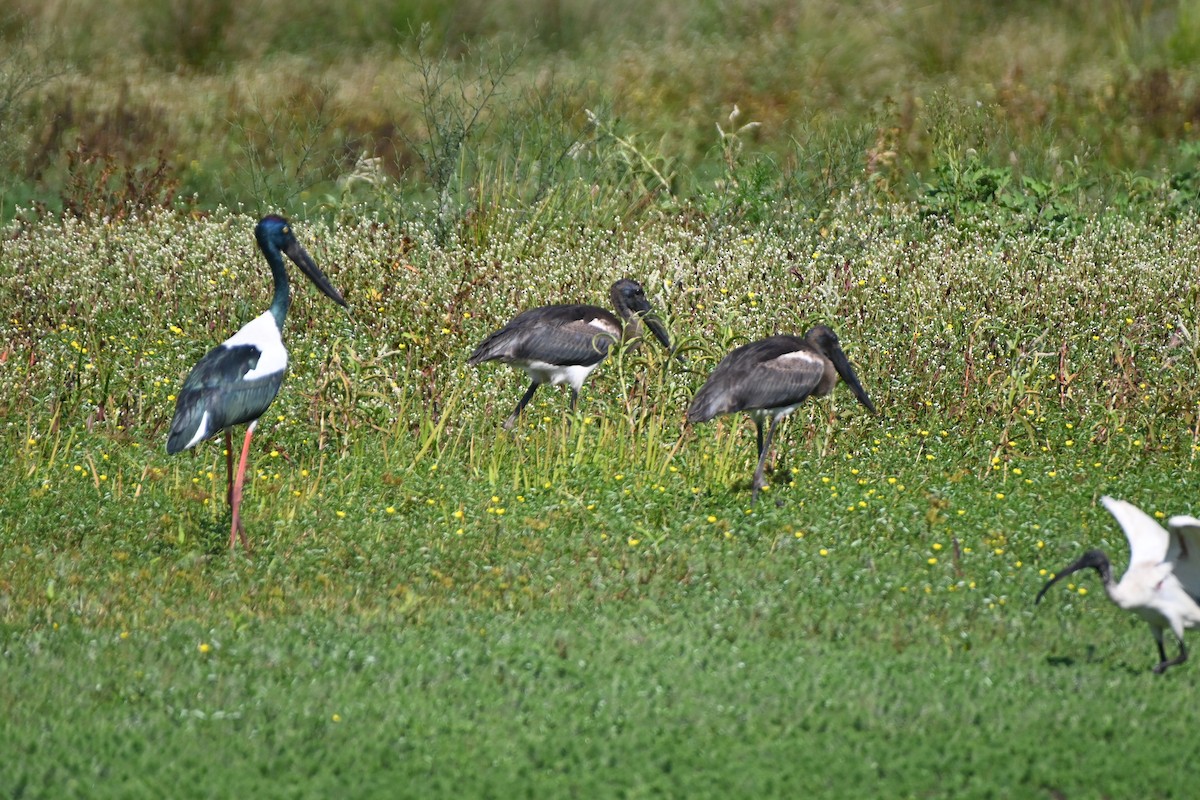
{"x":1162,"y":583}
{"x":770,"y":378}
{"x":236,"y":381}
{"x":560,"y":344}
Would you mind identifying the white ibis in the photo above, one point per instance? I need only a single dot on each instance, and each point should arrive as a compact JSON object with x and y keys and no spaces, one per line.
{"x":238,"y":379}
{"x":770,"y":378}
{"x":564,"y":343}
{"x":1162,"y":584}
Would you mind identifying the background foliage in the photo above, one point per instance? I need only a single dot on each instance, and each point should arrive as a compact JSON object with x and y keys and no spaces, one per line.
{"x":268,"y":104}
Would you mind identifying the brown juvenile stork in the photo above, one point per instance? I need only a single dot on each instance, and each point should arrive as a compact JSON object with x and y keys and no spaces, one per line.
{"x":563,"y":343}
{"x":770,"y":378}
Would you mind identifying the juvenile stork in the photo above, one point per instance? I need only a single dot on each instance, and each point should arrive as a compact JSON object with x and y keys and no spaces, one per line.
{"x":238,"y":379}
{"x":770,"y":378}
{"x":1162,"y":584}
{"x":563,"y":343}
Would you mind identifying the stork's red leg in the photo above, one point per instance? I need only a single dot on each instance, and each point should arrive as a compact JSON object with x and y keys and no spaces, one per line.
{"x":236,"y":530}
{"x":228,"y":467}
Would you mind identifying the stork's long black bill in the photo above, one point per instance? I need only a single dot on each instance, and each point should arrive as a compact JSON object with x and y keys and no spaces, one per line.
{"x":658,"y":329}
{"x":640,"y":306}
{"x":304,"y":261}
{"x":842,"y":365}
{"x":1096,"y":559}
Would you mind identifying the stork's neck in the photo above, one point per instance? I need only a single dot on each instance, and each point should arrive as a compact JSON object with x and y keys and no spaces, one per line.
{"x":632,"y":328}
{"x":283,"y":294}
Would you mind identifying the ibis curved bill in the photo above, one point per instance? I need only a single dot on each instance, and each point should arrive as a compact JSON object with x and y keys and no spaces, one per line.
{"x":560,"y":344}
{"x":1162,"y":583}
{"x":236,"y":381}
{"x":770,"y":378}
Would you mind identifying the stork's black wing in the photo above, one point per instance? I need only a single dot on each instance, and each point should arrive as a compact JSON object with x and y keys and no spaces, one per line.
{"x":216,"y":395}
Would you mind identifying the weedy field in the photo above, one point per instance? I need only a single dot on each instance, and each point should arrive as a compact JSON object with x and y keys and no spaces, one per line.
{"x":995,"y":209}
{"x":435,"y":606}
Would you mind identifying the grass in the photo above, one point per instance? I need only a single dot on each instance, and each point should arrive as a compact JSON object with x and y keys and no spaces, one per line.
{"x":631,"y":703}
{"x":589,"y":605}
{"x":593,"y":608}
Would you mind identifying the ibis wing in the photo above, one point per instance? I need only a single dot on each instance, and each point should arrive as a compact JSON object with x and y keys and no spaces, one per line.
{"x":1147,"y":539}
{"x":216,"y":395}
{"x":775,"y":372}
{"x":1184,"y":552}
{"x":562,"y":335}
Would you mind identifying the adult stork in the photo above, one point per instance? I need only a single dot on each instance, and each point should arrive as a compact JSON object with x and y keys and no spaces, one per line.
{"x":238,"y":379}
{"x":770,"y":378}
{"x":1162,"y":583}
{"x":563,"y":343}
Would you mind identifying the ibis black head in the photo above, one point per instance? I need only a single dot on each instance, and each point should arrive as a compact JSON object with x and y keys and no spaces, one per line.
{"x":274,"y":235}
{"x":1096,"y":559}
{"x":822,"y":339}
{"x":630,"y":300}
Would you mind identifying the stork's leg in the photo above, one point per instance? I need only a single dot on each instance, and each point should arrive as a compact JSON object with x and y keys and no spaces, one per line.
{"x":512,"y":418}
{"x":1162,"y":665}
{"x":762,"y":459}
{"x":574,"y":406}
{"x":228,"y":467}
{"x":236,"y":530}
{"x":758,"y":431}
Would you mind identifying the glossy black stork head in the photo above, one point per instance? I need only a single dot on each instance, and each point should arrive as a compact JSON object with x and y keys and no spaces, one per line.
{"x":1096,"y":559}
{"x":630,"y":302}
{"x":822,"y":339}
{"x":274,"y":235}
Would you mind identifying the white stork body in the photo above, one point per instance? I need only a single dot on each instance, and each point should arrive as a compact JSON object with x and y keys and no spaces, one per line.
{"x":1162,"y":583}
{"x":572,"y":375}
{"x":256,"y":361}
{"x":264,"y":334}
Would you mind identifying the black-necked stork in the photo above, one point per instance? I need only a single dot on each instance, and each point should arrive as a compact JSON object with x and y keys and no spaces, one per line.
{"x":770,"y":378}
{"x":238,"y":379}
{"x":563,"y":343}
{"x":1162,"y":583}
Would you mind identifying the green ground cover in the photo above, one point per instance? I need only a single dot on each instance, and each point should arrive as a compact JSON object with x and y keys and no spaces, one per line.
{"x":435,"y":606}
{"x":994,"y":207}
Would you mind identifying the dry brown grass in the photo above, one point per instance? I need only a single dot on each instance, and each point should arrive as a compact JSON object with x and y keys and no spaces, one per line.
{"x":1109,"y":84}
